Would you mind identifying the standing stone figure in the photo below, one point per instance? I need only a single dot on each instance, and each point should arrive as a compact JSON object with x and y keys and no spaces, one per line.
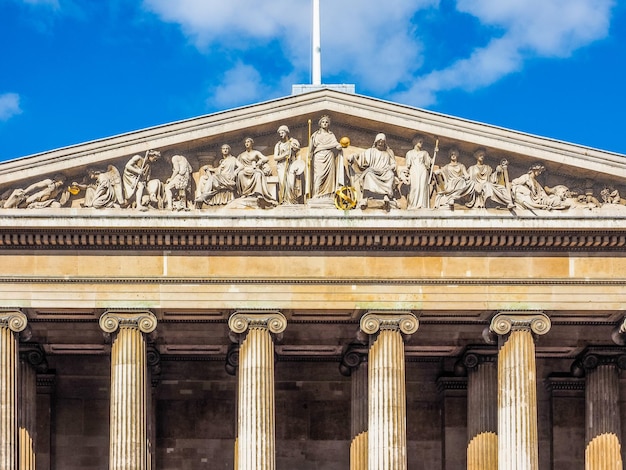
{"x":418,"y":164}
{"x":377,"y":165}
{"x":179,"y":181}
{"x":217,"y":186}
{"x":137,"y":175}
{"x":485,"y":184}
{"x":285,"y":154}
{"x":326,"y":174}
{"x":252,"y":175}
{"x":46,"y":193}
{"x":455,"y":181}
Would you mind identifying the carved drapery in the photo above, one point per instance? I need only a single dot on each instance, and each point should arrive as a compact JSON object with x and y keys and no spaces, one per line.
{"x":518,"y":445}
{"x":11,"y":323}
{"x":129,"y":437}
{"x":387,"y":387}
{"x":256,"y":434}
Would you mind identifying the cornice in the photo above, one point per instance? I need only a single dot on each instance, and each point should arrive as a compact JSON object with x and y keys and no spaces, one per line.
{"x":316,"y":281}
{"x":305,"y":239}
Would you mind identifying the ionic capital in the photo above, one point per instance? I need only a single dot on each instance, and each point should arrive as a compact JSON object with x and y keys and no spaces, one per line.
{"x":593,"y":358}
{"x":15,"y":320}
{"x":239,"y":322}
{"x":373,"y":322}
{"x":144,"y":320}
{"x":505,"y":322}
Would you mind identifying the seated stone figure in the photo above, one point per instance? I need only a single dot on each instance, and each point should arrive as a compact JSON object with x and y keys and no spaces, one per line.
{"x":376,"y":176}
{"x":252,"y":176}
{"x":103,"y":189}
{"x":485,"y":184}
{"x":529,"y":194}
{"x":217,"y":186}
{"x":455,"y":182}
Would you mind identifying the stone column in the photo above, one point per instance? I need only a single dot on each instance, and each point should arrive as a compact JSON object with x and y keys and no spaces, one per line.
{"x":128,"y":447}
{"x":518,"y":444}
{"x":482,"y":411}
{"x":387,"y":388}
{"x":12,"y":322}
{"x":256,"y":433}
{"x":602,"y":412}
{"x":352,"y":366}
{"x":32,"y":360}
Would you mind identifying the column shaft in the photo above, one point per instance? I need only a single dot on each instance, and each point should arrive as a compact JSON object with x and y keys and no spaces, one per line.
{"x":517,"y":403}
{"x":27,"y":420}
{"x":11,"y":323}
{"x":358,"y":446}
{"x":129,"y":372}
{"x":256,"y":427}
{"x":482,"y":417}
{"x":387,"y":403}
{"x":8,"y":398}
{"x":603,"y":429}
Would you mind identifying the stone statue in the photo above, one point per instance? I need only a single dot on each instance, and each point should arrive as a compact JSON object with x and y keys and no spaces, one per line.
{"x":418,"y":164}
{"x":252,"y":175}
{"x":610,"y":196}
{"x":179,"y":181}
{"x":486,"y":184}
{"x":137,"y":176}
{"x":217,"y":186}
{"x":103,"y":189}
{"x":326,"y":173}
{"x":455,"y":181}
{"x":49,"y":192}
{"x":529,"y":194}
{"x":377,"y":167}
{"x":287,"y":167}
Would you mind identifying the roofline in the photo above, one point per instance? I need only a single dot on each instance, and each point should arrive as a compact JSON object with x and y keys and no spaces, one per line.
{"x":424,"y":121}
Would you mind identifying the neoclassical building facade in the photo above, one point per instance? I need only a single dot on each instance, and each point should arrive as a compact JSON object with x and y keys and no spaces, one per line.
{"x":324,"y":281}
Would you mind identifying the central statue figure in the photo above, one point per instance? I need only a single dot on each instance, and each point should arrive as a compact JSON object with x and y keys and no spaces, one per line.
{"x":326,"y":160}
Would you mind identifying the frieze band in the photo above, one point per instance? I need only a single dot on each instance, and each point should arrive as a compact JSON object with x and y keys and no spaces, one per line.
{"x":324,"y":174}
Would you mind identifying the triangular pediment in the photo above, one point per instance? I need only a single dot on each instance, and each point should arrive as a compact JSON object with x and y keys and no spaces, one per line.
{"x":587,"y":173}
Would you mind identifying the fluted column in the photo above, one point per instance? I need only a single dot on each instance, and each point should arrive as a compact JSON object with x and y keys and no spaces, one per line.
{"x":256,"y":434}
{"x":32,"y":360}
{"x":11,"y":323}
{"x":352,"y":366}
{"x":387,"y":388}
{"x":128,"y":447}
{"x":602,"y":414}
{"x":518,"y":444}
{"x":482,"y":411}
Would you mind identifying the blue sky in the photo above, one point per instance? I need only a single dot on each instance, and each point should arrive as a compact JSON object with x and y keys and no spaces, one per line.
{"x":73,"y":71}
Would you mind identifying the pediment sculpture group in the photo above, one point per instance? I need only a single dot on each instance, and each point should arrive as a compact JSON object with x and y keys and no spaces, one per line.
{"x":369,"y":179}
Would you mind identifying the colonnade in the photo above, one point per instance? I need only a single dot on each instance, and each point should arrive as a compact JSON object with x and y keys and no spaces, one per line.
{"x":502,"y":436}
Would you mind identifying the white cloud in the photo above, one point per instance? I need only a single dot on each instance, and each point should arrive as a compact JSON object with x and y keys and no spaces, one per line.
{"x":530,"y":28}
{"x":9,"y":106}
{"x":374,"y":46}
{"x":379,"y":47}
{"x":241,"y":84}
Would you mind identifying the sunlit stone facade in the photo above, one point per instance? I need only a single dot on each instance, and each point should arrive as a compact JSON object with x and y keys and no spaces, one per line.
{"x":268,"y":335}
